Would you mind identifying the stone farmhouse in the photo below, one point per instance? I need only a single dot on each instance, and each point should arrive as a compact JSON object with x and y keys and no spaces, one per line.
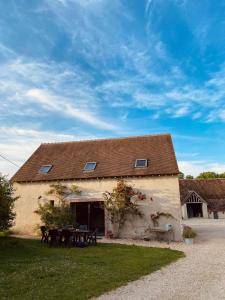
{"x":146,"y":162}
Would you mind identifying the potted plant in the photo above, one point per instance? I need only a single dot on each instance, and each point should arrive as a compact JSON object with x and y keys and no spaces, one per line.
{"x":189,"y":234}
{"x":109,"y":234}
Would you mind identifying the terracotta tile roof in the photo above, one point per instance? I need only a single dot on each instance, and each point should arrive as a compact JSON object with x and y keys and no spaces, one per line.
{"x":115,"y":158}
{"x":211,"y":190}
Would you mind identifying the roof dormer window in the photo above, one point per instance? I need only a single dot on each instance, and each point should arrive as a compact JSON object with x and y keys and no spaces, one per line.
{"x":90,"y":166}
{"x":45,"y":169}
{"x":141,"y":163}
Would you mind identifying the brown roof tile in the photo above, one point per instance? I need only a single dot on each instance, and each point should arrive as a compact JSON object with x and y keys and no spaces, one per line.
{"x":211,"y":190}
{"x":115,"y":158}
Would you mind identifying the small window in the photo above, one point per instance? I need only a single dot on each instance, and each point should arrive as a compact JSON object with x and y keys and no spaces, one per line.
{"x":90,"y":166}
{"x":141,"y":163}
{"x":52,"y":203}
{"x":45,"y":169}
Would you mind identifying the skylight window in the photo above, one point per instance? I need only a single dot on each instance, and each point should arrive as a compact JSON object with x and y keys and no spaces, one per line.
{"x":45,"y":169}
{"x":90,"y":166}
{"x":141,"y":163}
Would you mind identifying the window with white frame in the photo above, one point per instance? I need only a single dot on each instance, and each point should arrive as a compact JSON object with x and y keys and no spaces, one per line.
{"x":141,"y":163}
{"x":45,"y":169}
{"x":90,"y":166}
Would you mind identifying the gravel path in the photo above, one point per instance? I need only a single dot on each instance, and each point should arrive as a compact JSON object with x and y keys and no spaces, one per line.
{"x":200,"y":275}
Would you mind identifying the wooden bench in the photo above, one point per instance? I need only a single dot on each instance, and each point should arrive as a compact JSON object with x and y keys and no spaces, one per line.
{"x":160,"y":231}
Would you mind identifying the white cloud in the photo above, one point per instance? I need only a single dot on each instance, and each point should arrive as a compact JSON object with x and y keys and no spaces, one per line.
{"x":84,"y":3}
{"x":181,"y":112}
{"x":148,"y":5}
{"x":195,"y":138}
{"x":56,"y":88}
{"x":143,"y":69}
{"x":216,"y":115}
{"x":196,"y":167}
{"x":62,"y":105}
{"x":18,"y":143}
{"x":6,"y":52}
{"x":170,"y":88}
{"x":196,"y":115}
{"x":148,"y":78}
{"x":84,"y":20}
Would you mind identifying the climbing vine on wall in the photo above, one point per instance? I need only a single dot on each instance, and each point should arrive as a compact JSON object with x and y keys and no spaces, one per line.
{"x":121,"y":203}
{"x":156,"y":216}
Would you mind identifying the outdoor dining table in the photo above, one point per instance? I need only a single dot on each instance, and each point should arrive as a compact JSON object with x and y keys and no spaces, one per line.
{"x":80,"y":236}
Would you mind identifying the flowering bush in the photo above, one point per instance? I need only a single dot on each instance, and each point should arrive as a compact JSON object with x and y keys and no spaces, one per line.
{"x":109,"y":234}
{"x":188,"y":233}
{"x":121,"y":202}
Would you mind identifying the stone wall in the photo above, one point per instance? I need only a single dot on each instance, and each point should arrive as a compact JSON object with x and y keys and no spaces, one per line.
{"x":162,"y":195}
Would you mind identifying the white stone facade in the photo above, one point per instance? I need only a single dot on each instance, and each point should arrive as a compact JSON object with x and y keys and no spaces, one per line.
{"x":162,"y":195}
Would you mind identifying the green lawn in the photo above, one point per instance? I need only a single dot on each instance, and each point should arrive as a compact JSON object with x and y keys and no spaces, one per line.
{"x":31,"y":270}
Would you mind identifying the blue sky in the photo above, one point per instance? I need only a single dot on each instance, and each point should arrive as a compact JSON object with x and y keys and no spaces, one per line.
{"x":81,"y":69}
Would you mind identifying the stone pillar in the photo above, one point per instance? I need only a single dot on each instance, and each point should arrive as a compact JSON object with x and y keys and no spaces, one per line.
{"x":184,"y":211}
{"x":205,"y":211}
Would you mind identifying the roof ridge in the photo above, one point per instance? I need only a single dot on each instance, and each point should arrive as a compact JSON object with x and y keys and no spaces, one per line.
{"x":108,"y":139}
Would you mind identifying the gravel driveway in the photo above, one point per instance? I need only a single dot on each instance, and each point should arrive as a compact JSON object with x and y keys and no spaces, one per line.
{"x":200,"y":275}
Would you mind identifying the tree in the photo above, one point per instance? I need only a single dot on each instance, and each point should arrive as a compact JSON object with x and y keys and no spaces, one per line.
{"x":59,"y":214}
{"x":207,"y":175}
{"x":189,"y":177}
{"x":120,"y":203}
{"x":7,"y":200}
{"x":181,"y":175}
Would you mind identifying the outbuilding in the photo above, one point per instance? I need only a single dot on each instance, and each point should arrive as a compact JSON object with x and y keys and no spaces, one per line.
{"x":203,"y":198}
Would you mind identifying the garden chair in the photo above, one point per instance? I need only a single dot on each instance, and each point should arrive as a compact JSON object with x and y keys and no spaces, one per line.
{"x":54,"y":237}
{"x":92,"y":237}
{"x":44,"y":234}
{"x":68,"y":227}
{"x":83,"y":227}
{"x":66,"y":237}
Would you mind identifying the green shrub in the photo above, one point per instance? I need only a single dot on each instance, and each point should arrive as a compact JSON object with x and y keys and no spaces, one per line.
{"x":55,"y":216}
{"x":59,"y":214}
{"x":4,"y":233}
{"x":7,"y":200}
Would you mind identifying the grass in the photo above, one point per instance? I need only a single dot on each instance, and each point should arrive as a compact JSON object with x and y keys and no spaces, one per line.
{"x":31,"y":270}
{"x":4,"y":233}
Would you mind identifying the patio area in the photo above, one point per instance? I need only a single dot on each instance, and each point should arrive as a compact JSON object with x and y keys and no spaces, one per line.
{"x":69,"y":236}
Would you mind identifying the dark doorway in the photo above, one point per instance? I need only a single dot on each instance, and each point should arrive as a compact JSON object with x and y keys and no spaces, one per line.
{"x":90,"y":214}
{"x":81,"y":213}
{"x":194,"y":210}
{"x":97,"y":217}
{"x":215,"y":215}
